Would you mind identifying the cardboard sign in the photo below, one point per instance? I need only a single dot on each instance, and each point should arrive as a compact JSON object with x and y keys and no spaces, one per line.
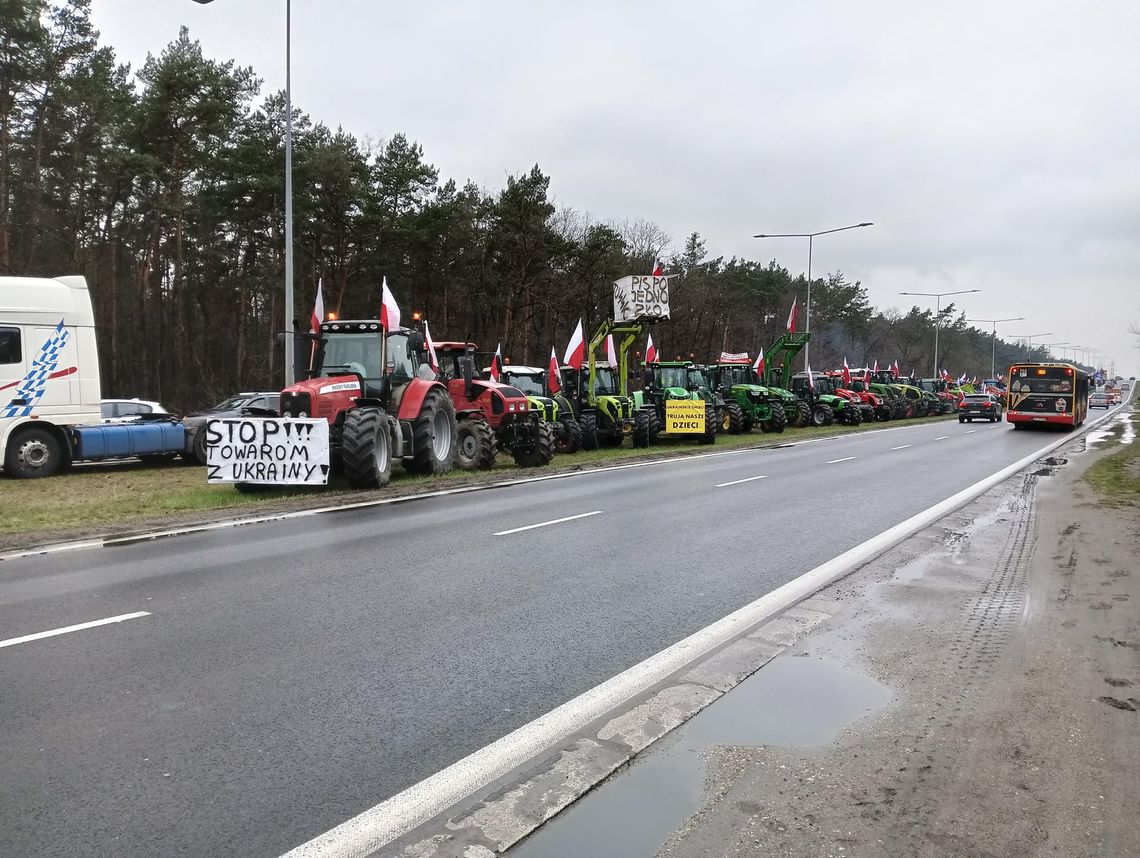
{"x":281,"y":451}
{"x":641,"y":299}
{"x":685,"y":416}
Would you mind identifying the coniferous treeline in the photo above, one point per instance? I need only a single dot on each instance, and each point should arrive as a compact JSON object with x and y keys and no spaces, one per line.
{"x":164,"y":186}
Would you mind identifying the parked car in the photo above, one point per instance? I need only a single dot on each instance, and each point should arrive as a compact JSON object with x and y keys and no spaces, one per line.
{"x":1100,"y":400}
{"x":128,"y":410}
{"x":266,"y":403}
{"x":979,"y":406}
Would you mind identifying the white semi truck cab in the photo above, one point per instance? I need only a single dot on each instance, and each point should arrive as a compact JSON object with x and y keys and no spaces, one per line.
{"x":49,"y":383}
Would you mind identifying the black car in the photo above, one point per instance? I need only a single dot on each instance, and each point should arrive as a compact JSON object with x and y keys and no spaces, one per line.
{"x":979,"y":406}
{"x":239,"y":405}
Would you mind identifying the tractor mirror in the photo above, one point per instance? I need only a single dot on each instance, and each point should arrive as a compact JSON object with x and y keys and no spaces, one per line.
{"x":467,"y":369}
{"x":647,"y":377}
{"x":416,"y":341}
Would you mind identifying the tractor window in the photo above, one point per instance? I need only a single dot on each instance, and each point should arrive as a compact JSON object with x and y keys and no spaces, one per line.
{"x":605,"y":383}
{"x":400,"y":356}
{"x":531,"y":384}
{"x":673,"y":376}
{"x":696,"y":378}
{"x":10,"y":351}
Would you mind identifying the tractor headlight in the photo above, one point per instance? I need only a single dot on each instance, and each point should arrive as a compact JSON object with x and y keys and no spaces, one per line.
{"x":302,"y":414}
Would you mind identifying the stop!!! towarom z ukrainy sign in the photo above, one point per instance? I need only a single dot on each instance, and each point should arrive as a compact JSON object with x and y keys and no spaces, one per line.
{"x":641,"y":299}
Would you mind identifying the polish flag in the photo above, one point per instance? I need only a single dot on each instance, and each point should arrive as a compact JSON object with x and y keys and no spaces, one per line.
{"x":758,"y":364}
{"x":431,"y":348}
{"x":811,"y":381}
{"x":496,"y":363}
{"x":389,"y":309}
{"x":318,"y":310}
{"x":895,"y":370}
{"x":658,"y":271}
{"x":576,"y":349}
{"x":866,"y":376}
{"x":846,"y":373}
{"x":650,"y":351}
{"x":611,"y":352}
{"x":876,"y":369}
{"x":553,"y":377}
{"x":792,"y":316}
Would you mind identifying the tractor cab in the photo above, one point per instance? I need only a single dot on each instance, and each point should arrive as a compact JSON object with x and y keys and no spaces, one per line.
{"x":531,"y":380}
{"x":497,"y":401}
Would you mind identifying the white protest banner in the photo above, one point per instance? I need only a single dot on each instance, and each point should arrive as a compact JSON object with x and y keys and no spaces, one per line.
{"x":641,"y":299}
{"x":282,"y":451}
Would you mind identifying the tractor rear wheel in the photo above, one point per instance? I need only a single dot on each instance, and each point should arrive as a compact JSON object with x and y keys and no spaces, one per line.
{"x":732,"y":420}
{"x":588,"y":423}
{"x":474,"y":445}
{"x":777,"y":421}
{"x":540,"y":452}
{"x":822,"y":415}
{"x":366,"y":448}
{"x":803,"y":413}
{"x":642,"y":429}
{"x":568,"y":436}
{"x":433,"y":435}
{"x":710,"y":425}
{"x":850,"y":415}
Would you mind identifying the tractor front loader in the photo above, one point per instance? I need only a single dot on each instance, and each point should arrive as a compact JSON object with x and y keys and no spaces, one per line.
{"x":747,"y":403}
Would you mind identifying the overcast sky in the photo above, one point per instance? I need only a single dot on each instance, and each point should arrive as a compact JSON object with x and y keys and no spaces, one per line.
{"x":996,"y":146}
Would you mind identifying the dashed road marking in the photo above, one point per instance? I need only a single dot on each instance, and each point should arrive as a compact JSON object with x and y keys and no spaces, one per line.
{"x":941,"y":437}
{"x":844,"y":459}
{"x":903,"y":447}
{"x":76,"y":628}
{"x":745,"y":480}
{"x":548,"y":523}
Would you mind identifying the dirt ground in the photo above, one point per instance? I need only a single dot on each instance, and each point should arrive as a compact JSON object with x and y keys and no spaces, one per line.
{"x":1009,"y":638}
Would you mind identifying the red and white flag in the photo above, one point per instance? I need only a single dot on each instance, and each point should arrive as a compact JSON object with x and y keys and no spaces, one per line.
{"x":650,"y":351}
{"x":896,"y":368}
{"x":318,"y":310}
{"x":758,"y":364}
{"x":793,"y":315}
{"x":611,"y":352}
{"x":576,"y":349}
{"x":431,"y":348}
{"x":658,"y":271}
{"x":846,"y":373}
{"x":389,"y":309}
{"x":876,"y":369}
{"x":553,"y":377}
{"x":496,"y":363}
{"x":866,"y":375}
{"x":811,"y":381}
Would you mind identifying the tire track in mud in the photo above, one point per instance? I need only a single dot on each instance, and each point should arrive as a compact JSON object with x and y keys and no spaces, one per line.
{"x":985,"y":628}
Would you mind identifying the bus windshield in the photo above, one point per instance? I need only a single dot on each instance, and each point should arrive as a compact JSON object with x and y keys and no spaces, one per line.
{"x":1051,"y":380}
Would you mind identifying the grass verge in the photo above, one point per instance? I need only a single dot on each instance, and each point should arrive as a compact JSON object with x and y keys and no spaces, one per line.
{"x":1116,"y":477}
{"x":131,"y":495}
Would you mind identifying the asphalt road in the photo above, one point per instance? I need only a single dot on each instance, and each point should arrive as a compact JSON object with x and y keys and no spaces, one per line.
{"x":292,"y":674}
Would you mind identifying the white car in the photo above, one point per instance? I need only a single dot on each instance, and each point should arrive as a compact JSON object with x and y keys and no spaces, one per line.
{"x":128,"y":410}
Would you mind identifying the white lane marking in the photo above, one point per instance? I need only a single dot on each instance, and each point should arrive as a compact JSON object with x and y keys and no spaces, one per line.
{"x":971,"y":431}
{"x":396,"y":816}
{"x":305,"y":513}
{"x":737,"y":482}
{"x":844,"y":459}
{"x":76,"y":628}
{"x":903,"y":447}
{"x":941,"y":437}
{"x":548,"y":523}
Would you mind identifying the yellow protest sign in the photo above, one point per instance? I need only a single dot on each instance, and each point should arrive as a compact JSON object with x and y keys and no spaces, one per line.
{"x":685,"y":416}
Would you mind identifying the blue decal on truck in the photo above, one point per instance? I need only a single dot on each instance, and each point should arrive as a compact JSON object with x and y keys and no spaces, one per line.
{"x":45,"y":365}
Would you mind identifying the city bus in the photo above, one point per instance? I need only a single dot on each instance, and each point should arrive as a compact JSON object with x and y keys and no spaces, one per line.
{"x":1056,"y":393}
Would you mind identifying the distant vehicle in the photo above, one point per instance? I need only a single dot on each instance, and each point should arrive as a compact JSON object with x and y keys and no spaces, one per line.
{"x":127,"y":410}
{"x":1056,"y":393}
{"x":256,"y":403}
{"x":979,"y":406}
{"x":1100,"y":400}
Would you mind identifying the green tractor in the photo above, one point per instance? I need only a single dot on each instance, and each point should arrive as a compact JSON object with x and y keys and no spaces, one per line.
{"x":886,"y":390}
{"x":599,"y":396}
{"x":667,"y":381}
{"x":555,"y":407}
{"x":826,"y":405}
{"x":811,"y":409}
{"x":746,"y":403}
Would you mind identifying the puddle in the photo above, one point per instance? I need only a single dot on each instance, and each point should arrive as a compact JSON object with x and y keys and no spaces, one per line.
{"x":1119,"y":431}
{"x":793,"y":702}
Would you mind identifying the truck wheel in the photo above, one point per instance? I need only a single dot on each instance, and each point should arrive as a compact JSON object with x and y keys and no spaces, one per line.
{"x":568,"y":437}
{"x":777,"y":421}
{"x":33,"y":452}
{"x":588,"y":422}
{"x":474,"y":445}
{"x":710,"y":425}
{"x":822,"y":415}
{"x":541,"y":451}
{"x":642,"y":429}
{"x":433,"y":436}
{"x":732,"y":421}
{"x":366,"y":448}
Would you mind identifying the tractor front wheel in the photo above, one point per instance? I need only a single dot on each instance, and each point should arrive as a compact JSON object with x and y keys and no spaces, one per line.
{"x":474,"y":445}
{"x":642,"y":429}
{"x":732,"y":420}
{"x":777,"y":421}
{"x":588,"y":422}
{"x":803,"y":413}
{"x":433,"y":435}
{"x":540,"y":452}
{"x":710,"y":425}
{"x":366,"y":448}
{"x":568,"y":436}
{"x":822,"y":415}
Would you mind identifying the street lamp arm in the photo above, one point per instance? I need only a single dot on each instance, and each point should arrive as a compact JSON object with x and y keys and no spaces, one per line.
{"x":811,"y":234}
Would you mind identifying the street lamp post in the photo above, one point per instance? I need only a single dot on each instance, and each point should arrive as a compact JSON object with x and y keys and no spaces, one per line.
{"x":993,"y":339}
{"x":1029,"y":342}
{"x":810,"y":236}
{"x":938,"y":314}
{"x":289,"y":326}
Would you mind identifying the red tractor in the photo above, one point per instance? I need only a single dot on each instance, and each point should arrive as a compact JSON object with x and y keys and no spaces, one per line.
{"x":491,"y":416}
{"x":870,"y":407}
{"x":381,"y":400}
